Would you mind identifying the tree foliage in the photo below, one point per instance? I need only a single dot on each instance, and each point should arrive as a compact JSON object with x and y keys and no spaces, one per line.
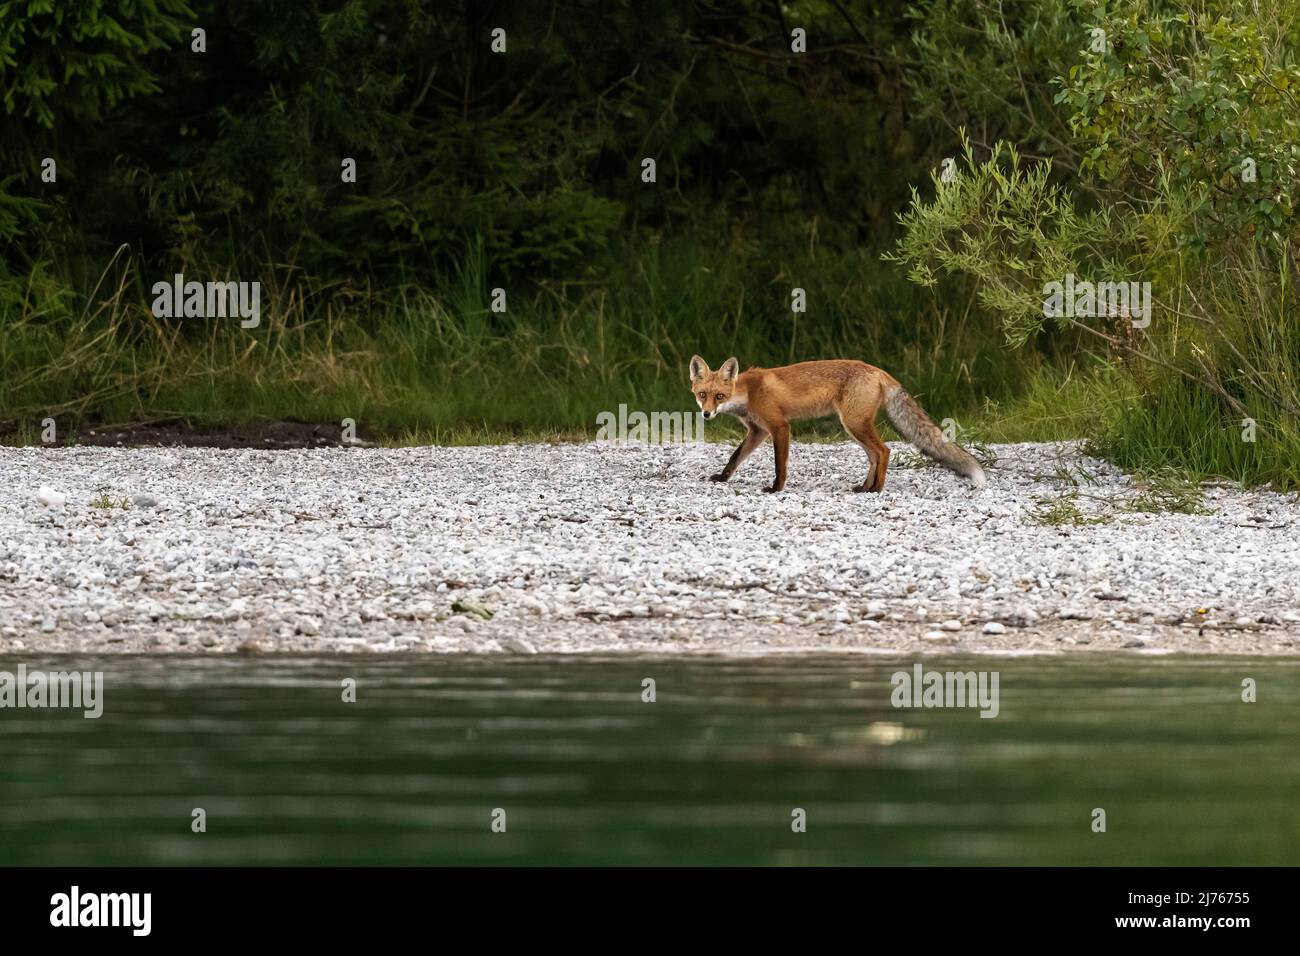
{"x":533,"y":155}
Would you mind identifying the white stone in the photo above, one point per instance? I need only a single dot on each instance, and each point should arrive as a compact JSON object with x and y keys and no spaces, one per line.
{"x":51,"y":498}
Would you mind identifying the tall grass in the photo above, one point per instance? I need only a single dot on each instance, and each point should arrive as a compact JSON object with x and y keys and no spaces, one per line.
{"x":435,"y":362}
{"x":1216,"y":390}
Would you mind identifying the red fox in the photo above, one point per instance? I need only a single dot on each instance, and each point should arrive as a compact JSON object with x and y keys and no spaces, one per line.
{"x":768,"y":399}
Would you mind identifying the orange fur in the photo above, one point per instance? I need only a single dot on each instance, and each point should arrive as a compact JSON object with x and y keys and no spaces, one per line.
{"x":768,"y":400}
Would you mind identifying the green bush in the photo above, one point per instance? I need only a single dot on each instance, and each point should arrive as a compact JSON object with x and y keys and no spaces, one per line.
{"x":1165,"y":106}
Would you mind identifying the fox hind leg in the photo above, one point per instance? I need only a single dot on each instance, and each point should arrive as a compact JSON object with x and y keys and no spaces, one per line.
{"x":864,"y":432}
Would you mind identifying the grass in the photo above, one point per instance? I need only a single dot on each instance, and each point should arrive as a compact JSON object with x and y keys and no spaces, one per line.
{"x":416,"y":366}
{"x":413,"y":366}
{"x":1063,"y":511}
{"x":1220,"y":397}
{"x":105,"y":502}
{"x":1178,"y":426}
{"x":1165,"y":491}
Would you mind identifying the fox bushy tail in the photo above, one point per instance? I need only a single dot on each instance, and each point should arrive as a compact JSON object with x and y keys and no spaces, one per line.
{"x":915,"y":425}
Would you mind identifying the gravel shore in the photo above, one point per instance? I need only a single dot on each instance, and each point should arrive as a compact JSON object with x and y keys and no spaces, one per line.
{"x":604,"y":548}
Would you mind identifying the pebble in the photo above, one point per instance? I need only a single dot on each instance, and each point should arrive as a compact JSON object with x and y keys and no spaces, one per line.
{"x":51,"y":498}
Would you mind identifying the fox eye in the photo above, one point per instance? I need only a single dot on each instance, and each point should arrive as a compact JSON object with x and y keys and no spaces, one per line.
{"x":703,"y":396}
{"x":719,"y":397}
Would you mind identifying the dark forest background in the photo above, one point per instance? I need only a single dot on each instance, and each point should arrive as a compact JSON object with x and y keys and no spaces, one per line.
{"x":776,"y":169}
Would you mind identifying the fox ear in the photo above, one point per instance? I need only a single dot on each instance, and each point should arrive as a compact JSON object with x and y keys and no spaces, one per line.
{"x":699,"y":368}
{"x":729,"y":368}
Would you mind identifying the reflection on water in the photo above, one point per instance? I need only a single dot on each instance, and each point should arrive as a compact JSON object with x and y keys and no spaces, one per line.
{"x":709,"y":773}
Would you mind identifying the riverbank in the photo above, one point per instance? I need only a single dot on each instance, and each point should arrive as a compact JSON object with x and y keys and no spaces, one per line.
{"x":601,"y":548}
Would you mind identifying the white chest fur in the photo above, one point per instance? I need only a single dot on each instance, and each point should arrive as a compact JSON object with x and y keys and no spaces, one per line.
{"x":738,"y":405}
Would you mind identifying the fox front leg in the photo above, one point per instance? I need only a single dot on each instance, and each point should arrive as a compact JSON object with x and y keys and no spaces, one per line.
{"x":753,"y":438}
{"x":781,"y":443}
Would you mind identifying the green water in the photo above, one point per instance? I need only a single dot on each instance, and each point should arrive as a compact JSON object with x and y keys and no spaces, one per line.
{"x":588,"y":772}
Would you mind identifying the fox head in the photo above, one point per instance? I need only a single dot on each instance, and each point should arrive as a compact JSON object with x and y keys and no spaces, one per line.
{"x":713,"y":388}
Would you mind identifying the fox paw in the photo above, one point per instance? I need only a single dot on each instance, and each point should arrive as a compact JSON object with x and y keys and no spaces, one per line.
{"x":771,"y":489}
{"x":720,"y":476}
{"x":860,"y":488}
